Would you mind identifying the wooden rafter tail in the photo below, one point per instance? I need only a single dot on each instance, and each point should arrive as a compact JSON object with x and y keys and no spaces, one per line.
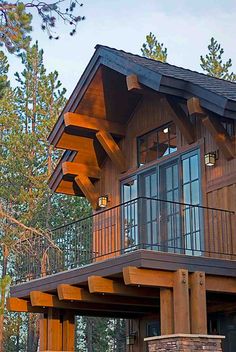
{"x":88,"y":189}
{"x":147,"y":277}
{"x":74,"y":169}
{"x":101,"y":285}
{"x":112,"y":149}
{"x":194,"y":107}
{"x":181,"y":120}
{"x":133,"y":84}
{"x":83,"y":122}
{"x":23,"y":306}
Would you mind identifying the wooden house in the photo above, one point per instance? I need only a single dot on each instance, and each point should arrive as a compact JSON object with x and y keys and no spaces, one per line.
{"x":152,"y":147}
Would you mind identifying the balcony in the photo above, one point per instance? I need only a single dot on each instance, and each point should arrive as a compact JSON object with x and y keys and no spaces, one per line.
{"x":142,"y":223}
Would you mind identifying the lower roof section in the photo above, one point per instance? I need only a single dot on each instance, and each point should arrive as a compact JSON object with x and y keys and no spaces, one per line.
{"x":113,"y":268}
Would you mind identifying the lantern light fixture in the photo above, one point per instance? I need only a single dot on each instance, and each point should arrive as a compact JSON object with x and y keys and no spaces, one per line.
{"x":130,"y":339}
{"x":102,"y":201}
{"x":210,"y":158}
{"x":166,"y":130}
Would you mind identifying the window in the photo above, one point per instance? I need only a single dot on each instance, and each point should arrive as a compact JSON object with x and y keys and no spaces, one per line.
{"x":156,"y":144}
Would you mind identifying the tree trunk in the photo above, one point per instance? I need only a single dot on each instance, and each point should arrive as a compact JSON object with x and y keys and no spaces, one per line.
{"x":3,"y":294}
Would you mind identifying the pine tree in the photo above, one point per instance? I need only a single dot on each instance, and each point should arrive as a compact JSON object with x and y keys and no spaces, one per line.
{"x":153,"y":49}
{"x":4,"y":66}
{"x":213,"y":63}
{"x":16,"y":17}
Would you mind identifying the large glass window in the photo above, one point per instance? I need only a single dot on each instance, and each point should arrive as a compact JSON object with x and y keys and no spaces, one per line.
{"x":156,"y":144}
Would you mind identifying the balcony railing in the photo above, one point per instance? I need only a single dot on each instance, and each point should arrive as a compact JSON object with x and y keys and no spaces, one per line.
{"x":142,"y":223}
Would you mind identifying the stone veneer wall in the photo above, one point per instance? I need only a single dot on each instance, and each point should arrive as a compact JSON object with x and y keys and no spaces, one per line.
{"x":184,"y":343}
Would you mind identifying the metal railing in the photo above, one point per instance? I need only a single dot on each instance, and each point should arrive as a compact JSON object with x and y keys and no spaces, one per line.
{"x":142,"y":223}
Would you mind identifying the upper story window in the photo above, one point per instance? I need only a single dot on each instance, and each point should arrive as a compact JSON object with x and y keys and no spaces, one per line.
{"x":156,"y":144}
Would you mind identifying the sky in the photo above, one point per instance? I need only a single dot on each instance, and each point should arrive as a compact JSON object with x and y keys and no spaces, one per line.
{"x":184,"y":26}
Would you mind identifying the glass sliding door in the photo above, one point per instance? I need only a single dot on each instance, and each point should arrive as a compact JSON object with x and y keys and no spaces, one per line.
{"x":148,"y":214}
{"x":170,"y":212}
{"x":129,"y":216}
{"x":192,"y":215}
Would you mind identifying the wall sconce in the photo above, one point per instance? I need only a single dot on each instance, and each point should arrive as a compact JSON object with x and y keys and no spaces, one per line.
{"x":210,"y":158}
{"x":102,"y":201}
{"x":166,"y":130}
{"x":130,"y":339}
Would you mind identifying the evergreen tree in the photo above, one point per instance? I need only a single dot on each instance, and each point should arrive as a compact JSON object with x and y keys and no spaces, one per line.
{"x":213,"y":63}
{"x":153,"y":49}
{"x":16,"y":17}
{"x":4,"y":83}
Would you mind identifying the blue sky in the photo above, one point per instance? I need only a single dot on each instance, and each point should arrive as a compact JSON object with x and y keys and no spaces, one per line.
{"x":185,"y":28}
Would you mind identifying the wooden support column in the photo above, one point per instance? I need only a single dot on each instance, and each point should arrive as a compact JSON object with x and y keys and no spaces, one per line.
{"x":68,"y":334}
{"x":88,"y":189}
{"x":43,"y":332}
{"x":112,"y":149}
{"x":54,"y":330}
{"x":198,"y":306}
{"x":166,"y":311}
{"x":181,"y":302}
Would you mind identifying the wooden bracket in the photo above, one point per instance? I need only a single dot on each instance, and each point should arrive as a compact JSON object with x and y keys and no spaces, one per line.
{"x":88,"y":189}
{"x":83,"y":122}
{"x":112,"y":149}
{"x":181,"y":120}
{"x":215,"y":128}
{"x":74,"y":169}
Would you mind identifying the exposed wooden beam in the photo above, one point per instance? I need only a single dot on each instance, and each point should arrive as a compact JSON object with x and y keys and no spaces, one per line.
{"x":220,"y":136}
{"x":147,"y":277}
{"x":112,"y":149}
{"x":73,"y":169}
{"x":194,"y":107}
{"x":72,"y":293}
{"x":181,"y":302}
{"x":214,"y":126}
{"x":198,"y":303}
{"x":181,"y":120}
{"x":133,"y":84}
{"x":101,"y":285}
{"x":88,"y":190}
{"x":93,"y":124}
{"x":166,"y":311}
{"x":51,"y":301}
{"x":221,"y":284}
{"x":21,"y":305}
{"x":221,"y":307}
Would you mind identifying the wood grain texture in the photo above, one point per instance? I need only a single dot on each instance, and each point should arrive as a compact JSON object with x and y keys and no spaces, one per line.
{"x":181,"y":302}
{"x":198,"y":306}
{"x":166,"y":311}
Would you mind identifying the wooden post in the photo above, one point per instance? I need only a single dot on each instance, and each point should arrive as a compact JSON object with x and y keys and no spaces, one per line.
{"x":54,"y":330}
{"x":166,"y":311}
{"x":198,"y":303}
{"x":68,"y":329}
{"x":43,"y":328}
{"x":181,"y":302}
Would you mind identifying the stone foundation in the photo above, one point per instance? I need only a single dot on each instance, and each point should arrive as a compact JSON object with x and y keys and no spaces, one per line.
{"x":184,"y":343}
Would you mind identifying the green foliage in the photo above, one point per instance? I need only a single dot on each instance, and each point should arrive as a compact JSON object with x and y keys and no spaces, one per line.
{"x":4,"y":83}
{"x":153,"y":49}
{"x":16,"y":18}
{"x":213,"y":63}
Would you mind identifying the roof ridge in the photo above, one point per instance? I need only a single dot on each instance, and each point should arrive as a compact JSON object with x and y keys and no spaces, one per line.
{"x":164,"y":63}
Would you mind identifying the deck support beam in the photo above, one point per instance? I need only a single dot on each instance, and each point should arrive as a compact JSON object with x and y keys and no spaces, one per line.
{"x":147,"y":277}
{"x":112,"y":149}
{"x":73,"y":169}
{"x":166,"y":311}
{"x":43,"y":332}
{"x":181,"y":302}
{"x":54,"y":330}
{"x":198,"y":303}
